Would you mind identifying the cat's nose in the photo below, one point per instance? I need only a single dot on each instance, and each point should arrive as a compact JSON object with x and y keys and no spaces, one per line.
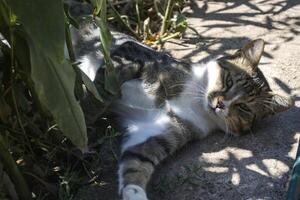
{"x":220,"y":102}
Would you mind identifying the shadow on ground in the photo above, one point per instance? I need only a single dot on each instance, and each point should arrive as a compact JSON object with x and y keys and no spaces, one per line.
{"x":232,"y":18}
{"x":254,"y":166}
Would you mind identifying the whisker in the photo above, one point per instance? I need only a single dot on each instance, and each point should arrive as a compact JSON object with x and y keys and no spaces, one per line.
{"x":177,"y":85}
{"x":199,"y":96}
{"x":189,"y":84}
{"x":252,"y":134}
{"x":194,"y":89}
{"x":268,"y":107}
{"x":233,"y":125}
{"x":244,"y":111}
{"x":269,"y":102}
{"x":190,"y":93}
{"x":227,"y":134}
{"x":193,"y":94}
{"x":226,"y":125}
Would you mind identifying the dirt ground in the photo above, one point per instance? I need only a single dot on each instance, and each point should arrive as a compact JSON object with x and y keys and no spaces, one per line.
{"x":255,"y":166}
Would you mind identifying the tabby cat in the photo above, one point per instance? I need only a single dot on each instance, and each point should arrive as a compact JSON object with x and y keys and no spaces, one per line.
{"x":169,"y":103}
{"x":166,"y":103}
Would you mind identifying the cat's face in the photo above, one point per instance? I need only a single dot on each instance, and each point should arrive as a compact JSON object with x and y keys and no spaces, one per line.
{"x":238,"y":93}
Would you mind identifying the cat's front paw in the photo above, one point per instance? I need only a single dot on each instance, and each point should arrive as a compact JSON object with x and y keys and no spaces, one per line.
{"x":134,"y":192}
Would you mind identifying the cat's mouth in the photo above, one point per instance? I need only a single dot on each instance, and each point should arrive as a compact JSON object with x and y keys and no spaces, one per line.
{"x":220,"y":112}
{"x":218,"y":109}
{"x":217,"y":104}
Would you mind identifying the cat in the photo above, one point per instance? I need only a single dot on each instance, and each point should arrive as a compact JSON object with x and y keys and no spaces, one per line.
{"x":169,"y":103}
{"x":166,"y":103}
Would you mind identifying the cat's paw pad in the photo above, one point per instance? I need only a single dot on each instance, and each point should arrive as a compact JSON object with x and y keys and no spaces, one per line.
{"x":134,"y":192}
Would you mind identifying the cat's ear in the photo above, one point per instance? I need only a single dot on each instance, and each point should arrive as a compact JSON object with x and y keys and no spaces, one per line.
{"x":246,"y":58}
{"x":253,"y":51}
{"x":279,"y":103}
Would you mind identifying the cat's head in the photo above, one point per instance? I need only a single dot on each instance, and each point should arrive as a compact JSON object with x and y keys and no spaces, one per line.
{"x":238,"y":94}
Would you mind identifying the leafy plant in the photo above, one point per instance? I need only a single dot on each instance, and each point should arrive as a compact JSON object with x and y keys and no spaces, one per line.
{"x":38,"y":106}
{"x":153,"y":22}
{"x":47,"y":73}
{"x":42,"y":124}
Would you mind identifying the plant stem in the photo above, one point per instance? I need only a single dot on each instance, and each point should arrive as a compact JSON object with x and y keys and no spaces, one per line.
{"x":138,"y":17}
{"x":164,"y":39}
{"x":157,"y":10}
{"x":194,"y":30}
{"x":13,"y":76}
{"x":18,"y":116}
{"x":119,"y":18}
{"x":13,"y":171}
{"x":69,"y":43}
{"x":167,"y":15}
{"x":13,"y":95}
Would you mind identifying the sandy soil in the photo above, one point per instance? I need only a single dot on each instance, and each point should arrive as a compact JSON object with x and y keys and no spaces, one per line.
{"x":255,"y":166}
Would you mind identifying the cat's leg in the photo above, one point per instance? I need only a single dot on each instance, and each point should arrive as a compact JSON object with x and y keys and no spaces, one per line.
{"x":137,"y":162}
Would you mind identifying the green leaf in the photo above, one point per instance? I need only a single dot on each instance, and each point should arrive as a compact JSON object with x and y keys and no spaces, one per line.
{"x":89,"y":85}
{"x":111,"y":80}
{"x":53,"y":77}
{"x":181,"y":23}
{"x":4,"y":19}
{"x":69,"y":18}
{"x":106,"y":39}
{"x":97,"y":4}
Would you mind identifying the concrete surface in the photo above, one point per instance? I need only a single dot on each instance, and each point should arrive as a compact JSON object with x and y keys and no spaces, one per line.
{"x":256,"y":166}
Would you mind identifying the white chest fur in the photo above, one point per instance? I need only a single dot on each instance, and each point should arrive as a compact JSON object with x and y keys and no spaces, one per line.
{"x":143,"y":120}
{"x":191,"y":105}
{"x":141,"y":117}
{"x":190,"y":109}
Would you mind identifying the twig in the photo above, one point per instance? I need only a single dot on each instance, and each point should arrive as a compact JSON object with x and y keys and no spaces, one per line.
{"x":164,"y":39}
{"x":121,"y":2}
{"x":167,"y":15}
{"x":194,"y":30}
{"x":13,"y":171}
{"x":12,"y":89}
{"x":19,"y":120}
{"x":119,"y":18}
{"x":157,"y":10}
{"x":138,"y":17}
